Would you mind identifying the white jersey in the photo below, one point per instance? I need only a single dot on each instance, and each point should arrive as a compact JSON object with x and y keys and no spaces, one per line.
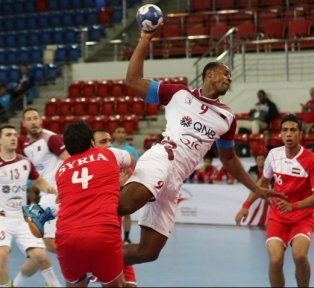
{"x":44,"y":152}
{"x":13,"y":178}
{"x":194,"y":123}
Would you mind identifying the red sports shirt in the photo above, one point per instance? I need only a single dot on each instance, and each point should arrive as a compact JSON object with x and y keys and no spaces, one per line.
{"x":89,"y":188}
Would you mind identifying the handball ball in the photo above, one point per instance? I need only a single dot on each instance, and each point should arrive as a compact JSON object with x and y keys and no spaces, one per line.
{"x":149,"y":17}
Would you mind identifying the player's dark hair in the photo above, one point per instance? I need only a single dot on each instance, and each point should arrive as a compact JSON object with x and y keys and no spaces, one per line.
{"x":77,"y":137}
{"x":30,"y":109}
{"x":293,"y":118}
{"x":6,"y":126}
{"x":210,"y":66}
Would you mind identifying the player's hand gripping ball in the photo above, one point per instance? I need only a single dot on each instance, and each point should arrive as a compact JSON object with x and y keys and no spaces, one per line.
{"x":148,"y":17}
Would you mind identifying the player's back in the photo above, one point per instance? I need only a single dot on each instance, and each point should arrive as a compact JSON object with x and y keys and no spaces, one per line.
{"x":88,"y":185}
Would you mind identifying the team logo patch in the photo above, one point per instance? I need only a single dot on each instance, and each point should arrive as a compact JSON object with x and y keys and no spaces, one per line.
{"x":296,"y":171}
{"x":186,"y":121}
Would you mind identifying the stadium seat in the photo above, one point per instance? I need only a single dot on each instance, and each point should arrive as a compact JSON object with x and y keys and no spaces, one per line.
{"x":102,"y":89}
{"x":79,"y":106}
{"x":54,"y":123}
{"x":74,"y":90}
{"x":113,"y":122}
{"x":93,"y":106}
{"x":256,"y":144}
{"x":138,"y":106}
{"x":65,"y":106}
{"x":275,"y":125}
{"x":130,"y":123}
{"x":99,"y":122}
{"x":152,"y":110}
{"x":122,"y":105}
{"x":52,"y":107}
{"x":201,"y":5}
{"x":108,"y":106}
{"x":88,"y":90}
{"x":149,"y":140}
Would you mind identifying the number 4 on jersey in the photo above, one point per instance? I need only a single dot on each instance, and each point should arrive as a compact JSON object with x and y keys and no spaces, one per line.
{"x":83,"y":179}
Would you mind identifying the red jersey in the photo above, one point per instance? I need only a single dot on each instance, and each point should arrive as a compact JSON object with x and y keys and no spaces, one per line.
{"x":293,"y":177}
{"x":89,"y":188}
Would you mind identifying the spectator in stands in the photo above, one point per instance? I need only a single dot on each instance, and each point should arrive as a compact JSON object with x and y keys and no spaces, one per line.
{"x":261,"y":115}
{"x":207,"y":172}
{"x":269,"y":141}
{"x":23,"y":87}
{"x":120,"y":142}
{"x":308,"y":113}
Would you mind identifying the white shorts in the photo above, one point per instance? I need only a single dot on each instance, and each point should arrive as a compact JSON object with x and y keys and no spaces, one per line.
{"x":159,"y":174}
{"x":49,"y":200}
{"x":15,"y":227}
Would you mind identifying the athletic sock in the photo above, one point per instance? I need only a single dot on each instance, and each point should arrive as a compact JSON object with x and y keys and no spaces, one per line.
{"x":20,"y":280}
{"x":51,"y":277}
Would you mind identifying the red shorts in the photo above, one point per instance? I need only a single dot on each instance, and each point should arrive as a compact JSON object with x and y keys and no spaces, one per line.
{"x":97,"y":250}
{"x":129,"y":274}
{"x":286,"y":232}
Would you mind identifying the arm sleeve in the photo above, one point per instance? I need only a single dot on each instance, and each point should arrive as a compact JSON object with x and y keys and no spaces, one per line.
{"x":123,"y":157}
{"x":227,"y":140}
{"x":56,"y":145}
{"x":268,"y":172}
{"x":33,"y":174}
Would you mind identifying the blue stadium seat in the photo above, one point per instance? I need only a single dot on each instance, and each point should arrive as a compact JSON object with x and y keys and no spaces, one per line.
{"x":96,"y":32}
{"x":34,"y":38}
{"x":53,"y":5}
{"x":2,"y":37}
{"x":13,"y":73}
{"x":12,"y":56}
{"x":46,"y":37}
{"x":22,"y":38}
{"x":67,"y":19}
{"x":91,"y":17}
{"x":76,"y":4}
{"x":79,"y":18}
{"x":61,"y":54}
{"x":38,"y":71}
{"x":30,"y":6}
{"x":37,"y":53}
{"x":9,"y":23}
{"x":20,"y":23}
{"x":53,"y":72}
{"x":10,"y":39}
{"x":31,"y":21}
{"x":24,"y":55}
{"x":117,"y":15}
{"x":72,"y":35}
{"x":65,"y":5}
{"x":3,"y":74}
{"x":43,"y":20}
{"x":74,"y":52}
{"x":58,"y":36}
{"x":88,"y":4}
{"x":3,"y":57}
{"x":55,"y":19}
{"x":18,"y":7}
{"x":7,"y":8}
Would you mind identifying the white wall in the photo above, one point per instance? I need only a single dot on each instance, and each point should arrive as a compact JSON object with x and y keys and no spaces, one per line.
{"x":241,"y":97}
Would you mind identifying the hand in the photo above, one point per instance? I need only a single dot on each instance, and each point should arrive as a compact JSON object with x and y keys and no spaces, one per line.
{"x":241,"y":216}
{"x":52,"y":190}
{"x":150,"y":34}
{"x":284,"y":206}
{"x":266,"y":193}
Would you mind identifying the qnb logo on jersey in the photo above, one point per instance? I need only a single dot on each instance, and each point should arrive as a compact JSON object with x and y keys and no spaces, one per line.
{"x":186,"y":121}
{"x":203,"y":129}
{"x":15,"y":202}
{"x":14,"y":188}
{"x":159,"y":184}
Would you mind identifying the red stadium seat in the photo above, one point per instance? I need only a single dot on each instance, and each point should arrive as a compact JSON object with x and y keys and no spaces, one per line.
{"x":52,"y":107}
{"x":99,"y":122}
{"x":138,"y":106}
{"x":275,"y":125}
{"x":130,"y":123}
{"x":113,"y":122}
{"x":152,"y":109}
{"x":79,"y":106}
{"x":123,"y":105}
{"x":102,"y":89}
{"x":256,"y":144}
{"x":65,"y":106}
{"x":108,"y":106}
{"x":149,"y":140}
{"x":89,"y":90}
{"x":75,"y":89}
{"x":54,"y":123}
{"x":93,"y":106}
{"x":70,"y":119}
{"x":201,"y":5}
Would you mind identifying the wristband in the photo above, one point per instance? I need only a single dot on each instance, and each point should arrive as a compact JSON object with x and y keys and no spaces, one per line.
{"x":246,"y":204}
{"x":294,"y":206}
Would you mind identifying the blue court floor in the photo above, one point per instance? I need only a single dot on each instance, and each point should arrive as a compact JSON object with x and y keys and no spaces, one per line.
{"x":199,"y":256}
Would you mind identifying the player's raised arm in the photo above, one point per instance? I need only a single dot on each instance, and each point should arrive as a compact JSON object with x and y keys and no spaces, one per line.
{"x":42,"y":184}
{"x":134,"y":76}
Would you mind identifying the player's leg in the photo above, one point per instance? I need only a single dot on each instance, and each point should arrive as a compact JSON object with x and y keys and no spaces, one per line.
{"x":118,"y":282}
{"x":80,"y":283}
{"x":4,"y":259}
{"x":37,"y":258}
{"x":127,"y":223}
{"x":148,"y":249}
{"x":133,"y":197}
{"x":300,"y":248}
{"x":129,"y":275}
{"x":301,"y":235}
{"x":276,"y":252}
